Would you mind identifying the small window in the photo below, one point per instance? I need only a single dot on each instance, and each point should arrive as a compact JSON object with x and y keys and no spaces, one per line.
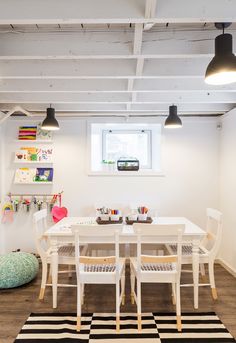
{"x":107,"y":143}
{"x":127,"y":143}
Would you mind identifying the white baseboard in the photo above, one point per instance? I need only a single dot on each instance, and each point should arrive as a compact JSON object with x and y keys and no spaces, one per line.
{"x":225,"y":265}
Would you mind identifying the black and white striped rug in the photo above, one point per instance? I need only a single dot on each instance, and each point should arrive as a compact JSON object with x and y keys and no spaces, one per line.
{"x":100,"y":327}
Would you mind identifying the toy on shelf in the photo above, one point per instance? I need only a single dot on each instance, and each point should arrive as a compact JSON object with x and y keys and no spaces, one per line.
{"x":7,"y":213}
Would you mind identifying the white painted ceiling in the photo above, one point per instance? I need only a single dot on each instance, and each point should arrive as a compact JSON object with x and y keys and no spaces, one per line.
{"x":112,"y":57}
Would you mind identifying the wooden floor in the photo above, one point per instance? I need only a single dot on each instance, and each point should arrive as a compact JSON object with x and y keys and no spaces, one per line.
{"x":17,"y":304}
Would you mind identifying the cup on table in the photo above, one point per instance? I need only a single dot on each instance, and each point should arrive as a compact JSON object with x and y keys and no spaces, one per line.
{"x":142,"y":216}
{"x":133,"y":217}
{"x":105,"y":217}
{"x":114,"y":217}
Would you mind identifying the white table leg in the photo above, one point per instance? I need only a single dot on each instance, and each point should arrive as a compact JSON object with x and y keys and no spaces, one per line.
{"x":54,"y":265}
{"x":195,"y":262}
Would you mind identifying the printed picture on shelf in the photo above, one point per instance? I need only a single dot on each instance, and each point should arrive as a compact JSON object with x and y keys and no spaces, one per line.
{"x":25,"y":175}
{"x":44,"y":175}
{"x":27,"y":133}
{"x":27,"y":154}
{"x":43,"y":134}
{"x":36,"y":175}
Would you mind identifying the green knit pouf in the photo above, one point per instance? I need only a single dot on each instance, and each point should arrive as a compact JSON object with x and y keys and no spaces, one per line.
{"x":17,"y":268}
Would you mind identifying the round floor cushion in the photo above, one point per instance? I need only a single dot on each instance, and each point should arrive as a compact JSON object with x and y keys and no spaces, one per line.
{"x":17,"y":268}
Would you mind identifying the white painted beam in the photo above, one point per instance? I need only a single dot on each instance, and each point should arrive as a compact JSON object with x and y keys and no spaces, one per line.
{"x":120,"y":98}
{"x":119,"y":108}
{"x":176,"y":85}
{"x":114,"y":11}
{"x":167,"y":43}
{"x":109,"y":86}
{"x":74,"y":12}
{"x":191,"y":11}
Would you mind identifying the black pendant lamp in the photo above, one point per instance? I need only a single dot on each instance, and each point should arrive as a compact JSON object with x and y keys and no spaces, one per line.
{"x":222,"y":68}
{"x":50,"y":123}
{"x":173,"y":121}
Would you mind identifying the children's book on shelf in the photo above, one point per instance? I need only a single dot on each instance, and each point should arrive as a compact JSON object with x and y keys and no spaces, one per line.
{"x":33,"y":175}
{"x":44,"y":175}
{"x":27,"y":154}
{"x":25,"y":175}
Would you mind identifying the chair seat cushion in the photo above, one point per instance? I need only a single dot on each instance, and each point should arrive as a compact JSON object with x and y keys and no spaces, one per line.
{"x":17,"y":269}
{"x":187,"y":249}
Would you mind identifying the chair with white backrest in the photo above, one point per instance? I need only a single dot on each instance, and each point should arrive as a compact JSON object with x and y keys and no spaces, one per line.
{"x":99,"y":270}
{"x":208,"y":249}
{"x":66,"y":253}
{"x":157,"y":269}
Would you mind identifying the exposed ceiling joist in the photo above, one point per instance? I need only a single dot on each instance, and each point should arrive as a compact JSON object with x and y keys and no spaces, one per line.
{"x":114,"y":11}
{"x":121,"y":108}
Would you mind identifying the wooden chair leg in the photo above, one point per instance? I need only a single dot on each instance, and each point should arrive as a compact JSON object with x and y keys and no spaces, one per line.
{"x":139,"y":305}
{"x":212,"y":280}
{"x":44,"y":280}
{"x":132,"y":284}
{"x":117,"y":323}
{"x":203,"y":273}
{"x":118,"y":306}
{"x":139,"y":322}
{"x":178,"y":308}
{"x":70,"y":270}
{"x":78,"y":326}
{"x":179,"y":324}
{"x":123,"y":287}
{"x":173,"y":294}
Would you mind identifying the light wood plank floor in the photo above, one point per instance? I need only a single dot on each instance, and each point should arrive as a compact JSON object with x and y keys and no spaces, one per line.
{"x":17,"y":304}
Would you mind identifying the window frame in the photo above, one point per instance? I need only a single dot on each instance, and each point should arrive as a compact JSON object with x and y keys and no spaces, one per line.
{"x":105,"y":132}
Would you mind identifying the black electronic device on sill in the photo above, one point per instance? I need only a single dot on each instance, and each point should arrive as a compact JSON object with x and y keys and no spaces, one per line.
{"x":127,"y":164}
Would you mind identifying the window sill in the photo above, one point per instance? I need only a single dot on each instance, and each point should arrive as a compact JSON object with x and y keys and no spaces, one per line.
{"x":126,"y":173}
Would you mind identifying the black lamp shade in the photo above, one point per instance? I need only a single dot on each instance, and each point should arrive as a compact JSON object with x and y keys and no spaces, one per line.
{"x":50,"y":123}
{"x":173,"y":121}
{"x":222,"y":68}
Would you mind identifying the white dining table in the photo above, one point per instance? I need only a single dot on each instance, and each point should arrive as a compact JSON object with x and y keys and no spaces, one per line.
{"x":61,"y":233}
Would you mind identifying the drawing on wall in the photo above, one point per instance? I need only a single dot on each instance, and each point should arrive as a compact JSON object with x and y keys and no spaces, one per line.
{"x":43,"y":134}
{"x":27,"y":133}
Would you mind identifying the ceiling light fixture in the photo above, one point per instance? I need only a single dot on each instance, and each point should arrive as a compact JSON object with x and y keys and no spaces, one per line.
{"x":222,"y":68}
{"x":173,"y":121}
{"x":50,"y":123}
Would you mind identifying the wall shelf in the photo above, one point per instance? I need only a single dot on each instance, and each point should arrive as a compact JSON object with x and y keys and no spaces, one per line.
{"x":36,"y":141}
{"x":33,"y":183}
{"x":32,"y":162}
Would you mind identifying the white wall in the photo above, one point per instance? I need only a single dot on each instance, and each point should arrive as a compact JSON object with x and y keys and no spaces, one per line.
{"x":228,"y":188}
{"x":190,"y":184}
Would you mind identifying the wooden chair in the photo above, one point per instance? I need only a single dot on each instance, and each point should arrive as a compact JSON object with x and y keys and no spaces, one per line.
{"x":157,"y":269}
{"x":208,"y":249}
{"x":99,"y":270}
{"x":66,"y":253}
